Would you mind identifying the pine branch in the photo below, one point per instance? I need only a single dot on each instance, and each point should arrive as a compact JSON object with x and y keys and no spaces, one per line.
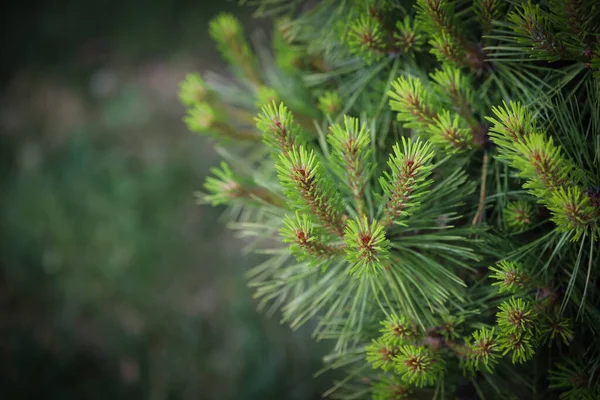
{"x":227,"y":187}
{"x":411,"y":102}
{"x":419,"y":366}
{"x":205,"y":119}
{"x":365,"y":38}
{"x":518,"y":216}
{"x":280,"y":132}
{"x":309,"y":189}
{"x":407,"y":180}
{"x":350,"y":156}
{"x":307,"y":240}
{"x":227,"y":31}
{"x":366,"y":246}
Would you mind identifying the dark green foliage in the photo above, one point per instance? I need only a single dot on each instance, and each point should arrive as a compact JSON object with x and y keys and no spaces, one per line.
{"x":415,"y":191}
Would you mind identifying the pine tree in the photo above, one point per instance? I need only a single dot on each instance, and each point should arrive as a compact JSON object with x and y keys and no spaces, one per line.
{"x":423,"y":179}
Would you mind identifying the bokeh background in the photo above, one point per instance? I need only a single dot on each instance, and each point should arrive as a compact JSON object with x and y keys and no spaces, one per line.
{"x":114,"y":284}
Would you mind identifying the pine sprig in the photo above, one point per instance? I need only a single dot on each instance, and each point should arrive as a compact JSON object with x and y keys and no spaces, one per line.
{"x":517,"y":316}
{"x":455,"y":86}
{"x":310,"y":190}
{"x":419,"y":366}
{"x":365,"y":38}
{"x":398,"y":330}
{"x":350,"y":156}
{"x":573,"y":211}
{"x":367,"y":248}
{"x":193,"y":90}
{"x":512,"y":124}
{"x":487,"y":11}
{"x":481,"y":351}
{"x":381,"y":354}
{"x":330,"y":102}
{"x":208,"y":120}
{"x":438,"y":17}
{"x":410,"y":166}
{"x":450,"y":133}
{"x":549,"y":174}
{"x":390,"y":388}
{"x":306,"y":240}
{"x":536,"y":34}
{"x":411,"y":101}
{"x":408,"y":36}
{"x":227,"y":32}
{"x":518,"y":215}
{"x":510,"y":276}
{"x":557,"y":327}
{"x":280,"y":132}
{"x":572,"y":378}
{"x":226,"y":187}
{"x":520,"y":345}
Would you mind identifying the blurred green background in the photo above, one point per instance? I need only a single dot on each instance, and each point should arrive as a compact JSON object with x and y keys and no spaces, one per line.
{"x":114,"y":284}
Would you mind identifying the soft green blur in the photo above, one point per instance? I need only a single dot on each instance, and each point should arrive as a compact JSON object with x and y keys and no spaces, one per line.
{"x":114,"y":284}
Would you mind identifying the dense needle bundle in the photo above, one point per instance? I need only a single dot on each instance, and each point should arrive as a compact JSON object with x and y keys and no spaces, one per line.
{"x":430,"y":171}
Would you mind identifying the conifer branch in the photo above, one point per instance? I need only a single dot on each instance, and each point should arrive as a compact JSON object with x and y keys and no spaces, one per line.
{"x":280,"y":132}
{"x":366,"y":246}
{"x":330,"y":102}
{"x":351,"y":151}
{"x":226,"y":187}
{"x":450,"y":132}
{"x":456,"y":87}
{"x":550,"y":176}
{"x":518,"y":215}
{"x":510,"y":276}
{"x":408,"y":36}
{"x":205,"y":119}
{"x":487,"y":11}
{"x":193,"y":90}
{"x":304,"y":182}
{"x":407,"y":180}
{"x":366,"y":39}
{"x":398,"y":330}
{"x":480,"y":353}
{"x":411,"y":102}
{"x":227,"y":31}
{"x":536,"y":34}
{"x":390,"y":388}
{"x":416,"y":233}
{"x":380,"y":354}
{"x":419,"y":366}
{"x":307,"y":240}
